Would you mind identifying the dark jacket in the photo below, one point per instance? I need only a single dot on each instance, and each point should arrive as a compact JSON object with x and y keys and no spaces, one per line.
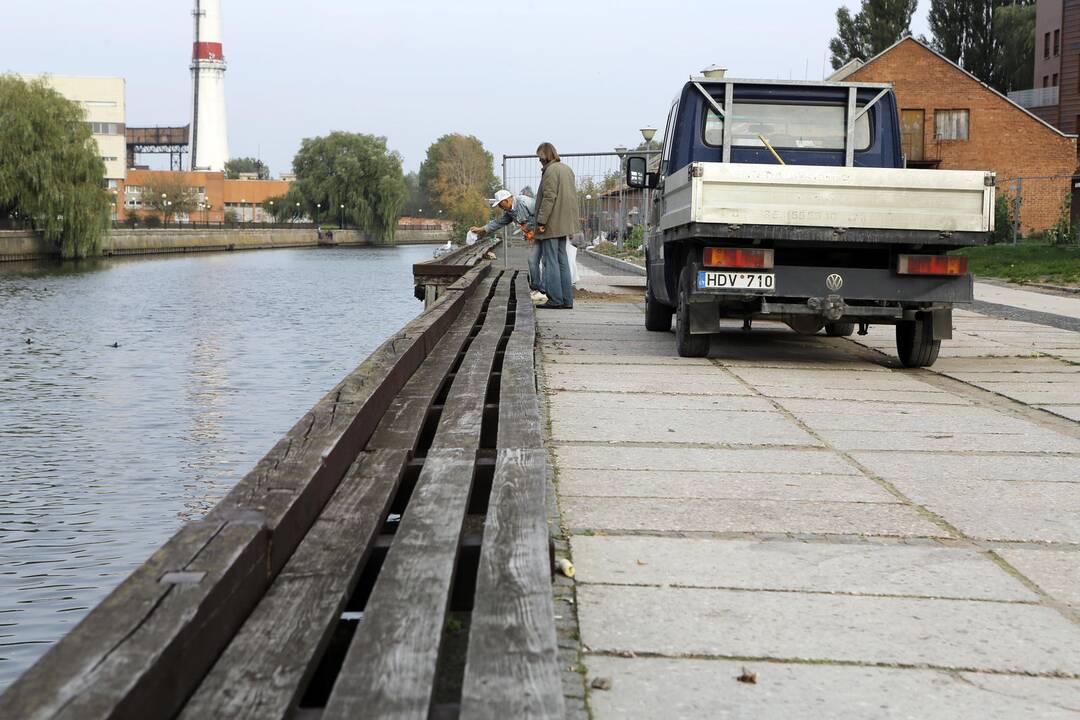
{"x":557,"y":202}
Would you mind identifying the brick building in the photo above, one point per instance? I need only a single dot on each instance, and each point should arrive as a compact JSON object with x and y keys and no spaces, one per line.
{"x":216,"y":194}
{"x":952,"y":121}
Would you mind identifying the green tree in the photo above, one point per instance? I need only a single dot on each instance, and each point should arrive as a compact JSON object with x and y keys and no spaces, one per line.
{"x":877,"y":25}
{"x":991,"y":39}
{"x":234,"y":167}
{"x":354,"y":170}
{"x":50,"y":167}
{"x":415,"y":197}
{"x":457,"y":178}
{"x":278,"y":208}
{"x":169,"y":197}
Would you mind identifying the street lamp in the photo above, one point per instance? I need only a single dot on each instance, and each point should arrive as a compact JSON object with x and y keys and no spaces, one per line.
{"x":116,"y":206}
{"x":273,"y":218}
{"x":621,"y":152}
{"x":341,"y":224}
{"x":648,"y":133}
{"x":297,"y":218}
{"x":588,"y":217}
{"x":243,"y":205}
{"x":165,"y":208}
{"x":318,"y":207}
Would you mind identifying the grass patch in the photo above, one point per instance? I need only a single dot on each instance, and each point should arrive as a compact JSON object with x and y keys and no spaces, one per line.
{"x":1057,"y":265}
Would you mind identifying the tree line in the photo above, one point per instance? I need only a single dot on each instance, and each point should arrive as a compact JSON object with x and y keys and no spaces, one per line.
{"x":52,"y":177}
{"x":994,"y":40}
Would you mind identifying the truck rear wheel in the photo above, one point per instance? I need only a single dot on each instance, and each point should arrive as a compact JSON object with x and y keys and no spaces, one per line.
{"x":840,"y":329}
{"x":687,"y":345}
{"x":657,"y":315}
{"x":915,"y":343}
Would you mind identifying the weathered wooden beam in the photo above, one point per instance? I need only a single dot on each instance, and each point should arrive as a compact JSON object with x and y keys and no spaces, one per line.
{"x":512,"y":668}
{"x":389,"y":670}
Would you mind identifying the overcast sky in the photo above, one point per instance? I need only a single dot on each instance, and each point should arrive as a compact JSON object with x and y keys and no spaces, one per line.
{"x":583,"y":74}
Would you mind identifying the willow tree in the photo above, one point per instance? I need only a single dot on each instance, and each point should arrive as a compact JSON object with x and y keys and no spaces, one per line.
{"x":354,"y":170}
{"x":50,"y":169}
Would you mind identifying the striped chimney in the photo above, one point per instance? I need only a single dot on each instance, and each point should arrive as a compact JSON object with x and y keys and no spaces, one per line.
{"x":209,"y":136}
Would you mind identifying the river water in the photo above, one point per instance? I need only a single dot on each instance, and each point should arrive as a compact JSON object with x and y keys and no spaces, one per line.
{"x":105,"y":451}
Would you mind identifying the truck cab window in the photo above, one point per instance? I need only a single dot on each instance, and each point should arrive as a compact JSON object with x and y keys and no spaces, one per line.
{"x":790,"y":127}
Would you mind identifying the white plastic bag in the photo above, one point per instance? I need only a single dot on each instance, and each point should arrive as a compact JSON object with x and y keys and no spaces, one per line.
{"x":470,"y":238}
{"x":571,"y":254}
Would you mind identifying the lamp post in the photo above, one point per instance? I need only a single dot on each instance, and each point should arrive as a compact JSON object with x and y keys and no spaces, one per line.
{"x":588,"y":217}
{"x":273,"y":218}
{"x":165,"y":209}
{"x":621,"y":152}
{"x":648,"y":133}
{"x":318,"y":207}
{"x":297,"y":218}
{"x":116,"y":207}
{"x":341,"y":224}
{"x":243,"y":205}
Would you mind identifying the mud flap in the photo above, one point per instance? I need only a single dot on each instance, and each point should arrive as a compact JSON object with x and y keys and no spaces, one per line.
{"x":942,"y":320}
{"x":704,"y":317}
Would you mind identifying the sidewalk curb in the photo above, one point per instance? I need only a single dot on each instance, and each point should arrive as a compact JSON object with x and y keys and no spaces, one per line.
{"x":625,"y":266}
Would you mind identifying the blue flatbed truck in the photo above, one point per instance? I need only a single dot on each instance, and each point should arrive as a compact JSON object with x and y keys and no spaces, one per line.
{"x":790,"y":201}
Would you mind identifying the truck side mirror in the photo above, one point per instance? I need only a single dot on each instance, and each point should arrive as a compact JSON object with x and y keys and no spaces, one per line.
{"x":638,"y":175}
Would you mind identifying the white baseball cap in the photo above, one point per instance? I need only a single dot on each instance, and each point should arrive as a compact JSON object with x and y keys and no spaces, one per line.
{"x":500,"y":196}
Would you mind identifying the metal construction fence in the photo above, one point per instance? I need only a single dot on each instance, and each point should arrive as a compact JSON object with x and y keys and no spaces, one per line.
{"x":1037,"y":209}
{"x":609,"y":210}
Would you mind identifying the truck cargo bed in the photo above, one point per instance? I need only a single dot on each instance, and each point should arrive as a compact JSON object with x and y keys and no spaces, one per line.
{"x":848,"y":201}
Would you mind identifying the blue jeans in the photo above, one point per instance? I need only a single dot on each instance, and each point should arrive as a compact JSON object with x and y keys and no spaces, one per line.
{"x":558,"y":283}
{"x":536,"y":282}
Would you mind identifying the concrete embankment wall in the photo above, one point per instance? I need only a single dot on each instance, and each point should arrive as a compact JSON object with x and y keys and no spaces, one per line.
{"x":24,"y":245}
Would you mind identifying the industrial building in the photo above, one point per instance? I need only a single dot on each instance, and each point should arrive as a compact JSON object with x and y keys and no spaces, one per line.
{"x":103,"y":100}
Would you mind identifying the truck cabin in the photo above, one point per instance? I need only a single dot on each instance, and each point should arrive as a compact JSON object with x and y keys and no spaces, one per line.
{"x":806,"y":123}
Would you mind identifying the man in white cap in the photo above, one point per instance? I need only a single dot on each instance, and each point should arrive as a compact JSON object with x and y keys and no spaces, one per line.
{"x":520,"y":209}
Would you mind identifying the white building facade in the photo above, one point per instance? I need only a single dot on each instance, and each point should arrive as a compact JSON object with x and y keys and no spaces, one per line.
{"x":106,"y":113}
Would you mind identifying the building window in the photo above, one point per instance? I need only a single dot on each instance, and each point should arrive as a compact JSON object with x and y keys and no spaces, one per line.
{"x":951,"y":124}
{"x":1057,"y":42}
{"x":1046,"y":81}
{"x":1046,"y":45}
{"x":103,"y":128}
{"x":1054,"y":81}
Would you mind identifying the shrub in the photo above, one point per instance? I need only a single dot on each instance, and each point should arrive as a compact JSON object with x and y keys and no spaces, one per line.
{"x":151,"y":221}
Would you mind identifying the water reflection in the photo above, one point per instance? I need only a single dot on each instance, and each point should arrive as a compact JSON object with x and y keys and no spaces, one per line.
{"x":105,"y":451}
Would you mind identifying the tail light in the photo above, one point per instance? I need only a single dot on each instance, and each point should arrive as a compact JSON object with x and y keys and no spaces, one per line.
{"x":737,"y":258}
{"x":932,"y":265}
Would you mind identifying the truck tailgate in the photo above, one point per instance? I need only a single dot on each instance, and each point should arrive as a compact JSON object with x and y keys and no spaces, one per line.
{"x":829,"y":197}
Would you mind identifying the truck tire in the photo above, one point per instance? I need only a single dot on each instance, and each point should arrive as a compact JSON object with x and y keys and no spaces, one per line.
{"x":687,"y":345}
{"x":840,"y":329}
{"x":657,"y":315}
{"x":915,"y":343}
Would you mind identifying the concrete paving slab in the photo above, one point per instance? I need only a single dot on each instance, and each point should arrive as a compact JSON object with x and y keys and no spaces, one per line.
{"x":960,"y":634}
{"x":702,"y":427}
{"x":1072,"y":412}
{"x":1036,"y":393}
{"x":691,"y":380}
{"x":946,"y":468}
{"x":873,"y":379}
{"x":584,"y":358}
{"x":640,"y":401}
{"x":605,"y":331}
{"x":1055,"y":571}
{"x":1028,"y":299}
{"x":855,"y":394}
{"x":927,"y":419}
{"x":674,"y":689}
{"x":758,"y":460}
{"x":1005,"y":365}
{"x":745,"y":485}
{"x":616,"y":351}
{"x":1002,"y":510}
{"x":857,"y":569}
{"x":1044,"y":441}
{"x":730,"y":516}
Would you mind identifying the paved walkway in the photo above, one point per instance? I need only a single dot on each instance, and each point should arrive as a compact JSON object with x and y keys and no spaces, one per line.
{"x":1067,"y":306}
{"x":860,"y":540}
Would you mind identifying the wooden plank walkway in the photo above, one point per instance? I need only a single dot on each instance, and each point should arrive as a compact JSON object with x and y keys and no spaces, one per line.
{"x":387,"y":558}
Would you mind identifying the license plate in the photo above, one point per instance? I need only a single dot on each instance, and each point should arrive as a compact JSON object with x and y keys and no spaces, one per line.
{"x":735,"y":281}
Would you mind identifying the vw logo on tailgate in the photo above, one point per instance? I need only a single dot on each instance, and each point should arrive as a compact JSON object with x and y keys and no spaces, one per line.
{"x":834,"y":282}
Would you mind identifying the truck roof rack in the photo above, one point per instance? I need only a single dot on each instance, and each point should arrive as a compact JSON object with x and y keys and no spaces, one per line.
{"x":815,"y":83}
